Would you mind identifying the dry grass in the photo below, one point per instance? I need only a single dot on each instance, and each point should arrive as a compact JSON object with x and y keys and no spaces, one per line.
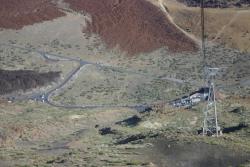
{"x":104,"y":86}
{"x":226,"y":26}
{"x":36,"y":134}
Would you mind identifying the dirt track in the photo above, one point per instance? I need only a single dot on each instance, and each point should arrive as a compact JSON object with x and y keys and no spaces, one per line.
{"x":135,"y":26}
{"x":15,"y":14}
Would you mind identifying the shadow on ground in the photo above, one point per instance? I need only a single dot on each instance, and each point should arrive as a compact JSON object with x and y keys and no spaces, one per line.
{"x":170,"y":153}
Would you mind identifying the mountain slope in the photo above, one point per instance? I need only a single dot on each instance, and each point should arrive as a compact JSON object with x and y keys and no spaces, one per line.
{"x":135,"y":26}
{"x":15,"y":14}
{"x":229,"y":27}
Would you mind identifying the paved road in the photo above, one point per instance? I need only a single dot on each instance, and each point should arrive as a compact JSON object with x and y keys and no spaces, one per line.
{"x":45,"y":96}
{"x":45,"y":55}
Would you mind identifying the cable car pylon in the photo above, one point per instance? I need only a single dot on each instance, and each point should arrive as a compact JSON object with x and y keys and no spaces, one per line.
{"x":210,"y":122}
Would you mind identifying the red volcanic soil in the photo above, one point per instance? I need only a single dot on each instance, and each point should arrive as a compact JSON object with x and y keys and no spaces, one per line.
{"x":137,"y":26}
{"x":15,"y":14}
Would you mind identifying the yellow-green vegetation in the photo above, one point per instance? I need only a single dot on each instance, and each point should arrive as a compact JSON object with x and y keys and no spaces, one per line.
{"x":36,"y":134}
{"x":12,"y":58}
{"x":228,"y":26}
{"x":107,"y":86}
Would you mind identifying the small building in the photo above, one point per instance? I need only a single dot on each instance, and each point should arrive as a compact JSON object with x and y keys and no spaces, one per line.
{"x":193,"y":99}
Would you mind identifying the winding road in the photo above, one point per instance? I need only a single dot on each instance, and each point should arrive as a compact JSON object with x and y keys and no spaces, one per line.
{"x":45,"y":96}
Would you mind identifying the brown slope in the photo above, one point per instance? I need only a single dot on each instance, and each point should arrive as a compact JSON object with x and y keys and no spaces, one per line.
{"x":137,"y":26}
{"x":15,"y":14}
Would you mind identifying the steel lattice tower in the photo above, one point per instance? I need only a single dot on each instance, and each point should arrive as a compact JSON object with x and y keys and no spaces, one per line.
{"x":210,"y":123}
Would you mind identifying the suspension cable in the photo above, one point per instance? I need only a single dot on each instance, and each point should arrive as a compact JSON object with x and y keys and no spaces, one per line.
{"x":203,"y":49}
